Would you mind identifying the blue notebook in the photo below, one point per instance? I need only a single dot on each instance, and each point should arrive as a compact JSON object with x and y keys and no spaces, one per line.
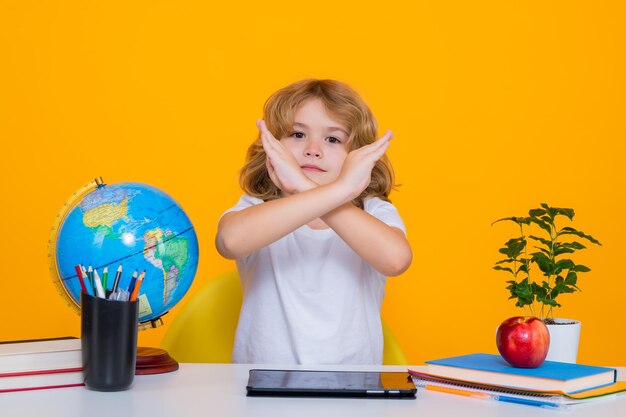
{"x":490,"y":369}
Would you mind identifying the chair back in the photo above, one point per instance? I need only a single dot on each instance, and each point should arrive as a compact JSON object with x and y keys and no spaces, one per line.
{"x":204,"y":329}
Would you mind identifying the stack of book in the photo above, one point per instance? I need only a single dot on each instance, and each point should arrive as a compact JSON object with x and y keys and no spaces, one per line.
{"x":39,"y":364}
{"x":553,"y":384}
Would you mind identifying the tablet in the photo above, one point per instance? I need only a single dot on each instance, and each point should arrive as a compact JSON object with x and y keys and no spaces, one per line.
{"x":300,"y":383}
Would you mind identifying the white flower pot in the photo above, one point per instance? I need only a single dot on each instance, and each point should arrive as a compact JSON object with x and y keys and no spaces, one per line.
{"x":563,"y":340}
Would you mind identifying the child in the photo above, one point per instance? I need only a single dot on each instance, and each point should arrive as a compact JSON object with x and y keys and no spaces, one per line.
{"x":315,"y":235}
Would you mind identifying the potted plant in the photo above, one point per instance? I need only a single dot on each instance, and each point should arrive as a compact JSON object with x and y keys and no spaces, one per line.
{"x":539,"y":293}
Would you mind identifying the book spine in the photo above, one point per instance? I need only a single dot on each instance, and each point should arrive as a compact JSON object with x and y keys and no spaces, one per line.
{"x":41,"y":372}
{"x":42,"y":387}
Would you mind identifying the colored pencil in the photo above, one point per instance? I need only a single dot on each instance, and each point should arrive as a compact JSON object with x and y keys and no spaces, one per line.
{"x":90,"y":276}
{"x":131,"y":286}
{"x":85,"y":277}
{"x":96,"y":280}
{"x":90,"y":289}
{"x":105,"y":277}
{"x":116,"y":282}
{"x":135,"y":292}
{"x":79,"y":274}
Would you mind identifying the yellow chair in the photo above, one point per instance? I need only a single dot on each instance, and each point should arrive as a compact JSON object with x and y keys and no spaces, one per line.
{"x":204,"y":329}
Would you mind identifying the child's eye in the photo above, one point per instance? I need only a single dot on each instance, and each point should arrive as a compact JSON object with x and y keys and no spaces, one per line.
{"x":332,"y":139}
{"x":298,"y":135}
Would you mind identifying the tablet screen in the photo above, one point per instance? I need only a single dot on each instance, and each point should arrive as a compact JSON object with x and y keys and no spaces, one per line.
{"x":330,"y":383}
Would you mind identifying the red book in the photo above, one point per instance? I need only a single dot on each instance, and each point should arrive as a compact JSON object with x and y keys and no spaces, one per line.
{"x":58,"y":378}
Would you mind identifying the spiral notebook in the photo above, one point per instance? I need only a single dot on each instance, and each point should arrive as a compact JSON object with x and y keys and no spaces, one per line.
{"x":546,"y":399}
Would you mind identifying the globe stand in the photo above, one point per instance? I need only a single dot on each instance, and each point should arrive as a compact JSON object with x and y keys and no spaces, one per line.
{"x":150,"y":324}
{"x":153,"y":360}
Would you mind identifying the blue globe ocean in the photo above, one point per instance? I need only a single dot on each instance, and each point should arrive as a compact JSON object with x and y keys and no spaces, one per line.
{"x":139,"y":227}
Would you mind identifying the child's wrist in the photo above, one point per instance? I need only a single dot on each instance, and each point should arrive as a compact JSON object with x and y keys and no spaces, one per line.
{"x":344,"y":190}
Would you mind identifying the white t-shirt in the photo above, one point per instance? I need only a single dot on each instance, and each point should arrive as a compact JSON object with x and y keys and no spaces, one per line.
{"x":310,"y":299}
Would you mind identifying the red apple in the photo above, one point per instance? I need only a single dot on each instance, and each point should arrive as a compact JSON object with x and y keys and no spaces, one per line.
{"x":523,"y":341}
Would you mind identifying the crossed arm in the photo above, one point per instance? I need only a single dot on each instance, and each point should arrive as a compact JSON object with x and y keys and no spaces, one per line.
{"x":384,"y":247}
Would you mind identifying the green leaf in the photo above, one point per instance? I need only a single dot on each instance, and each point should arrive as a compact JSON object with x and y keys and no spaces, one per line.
{"x":552,"y":212}
{"x":500,"y":268}
{"x":513,"y":247}
{"x":521,"y":302}
{"x":558,"y":211}
{"x":546,"y":242}
{"x":551,"y":302}
{"x":545,"y":265}
{"x":561,"y":250}
{"x":547,"y":300}
{"x":537,"y":212}
{"x":566,"y":247}
{"x":523,"y":291}
{"x":523,"y":268}
{"x":573,"y":245}
{"x":505,"y":261}
{"x":572,"y":231}
{"x":520,"y":292}
{"x":558,"y":281}
{"x":540,"y":290}
{"x":561,"y":290}
{"x":580,"y":268}
{"x":571,"y":279}
{"x":560,"y":287}
{"x":544,"y":225}
{"x":567,"y":212}
{"x":518,"y":220}
{"x":563,"y":264}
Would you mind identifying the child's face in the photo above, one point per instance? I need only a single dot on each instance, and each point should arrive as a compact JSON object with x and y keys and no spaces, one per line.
{"x":318,"y":142}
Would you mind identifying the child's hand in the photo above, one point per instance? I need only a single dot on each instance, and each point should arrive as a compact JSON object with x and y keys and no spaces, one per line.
{"x":283,"y":169}
{"x":356,"y":172}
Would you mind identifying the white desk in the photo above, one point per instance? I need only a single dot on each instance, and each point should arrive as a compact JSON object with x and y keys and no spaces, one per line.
{"x":219,"y":391}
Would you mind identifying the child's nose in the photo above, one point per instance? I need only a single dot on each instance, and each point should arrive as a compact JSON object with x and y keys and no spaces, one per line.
{"x":312,"y":149}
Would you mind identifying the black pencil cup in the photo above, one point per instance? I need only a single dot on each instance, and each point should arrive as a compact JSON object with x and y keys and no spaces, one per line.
{"x":109,"y":342}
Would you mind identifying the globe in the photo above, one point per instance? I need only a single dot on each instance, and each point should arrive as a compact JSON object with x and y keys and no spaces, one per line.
{"x":133,"y":225}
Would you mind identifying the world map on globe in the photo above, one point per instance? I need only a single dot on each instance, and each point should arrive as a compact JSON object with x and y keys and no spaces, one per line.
{"x":136,"y":226}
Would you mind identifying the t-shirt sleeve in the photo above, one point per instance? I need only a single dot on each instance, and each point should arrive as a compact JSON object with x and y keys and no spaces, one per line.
{"x":244,"y":202}
{"x":385,"y":212}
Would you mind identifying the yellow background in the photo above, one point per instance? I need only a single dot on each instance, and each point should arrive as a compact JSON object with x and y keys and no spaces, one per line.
{"x":496,"y":106}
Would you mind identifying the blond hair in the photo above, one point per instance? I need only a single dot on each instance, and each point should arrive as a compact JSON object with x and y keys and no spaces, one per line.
{"x":340,"y":101}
